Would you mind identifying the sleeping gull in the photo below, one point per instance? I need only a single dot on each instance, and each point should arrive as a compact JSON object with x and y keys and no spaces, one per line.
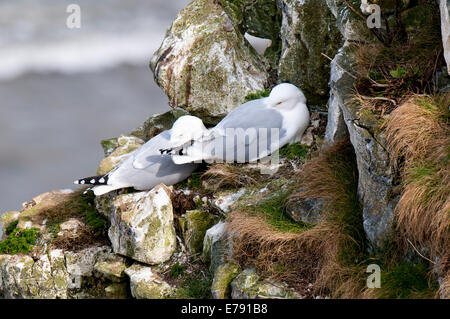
{"x":250,"y":132}
{"x":146,"y":167}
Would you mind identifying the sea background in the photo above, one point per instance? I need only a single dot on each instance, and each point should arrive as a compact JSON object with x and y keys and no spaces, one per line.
{"x":63,"y":90}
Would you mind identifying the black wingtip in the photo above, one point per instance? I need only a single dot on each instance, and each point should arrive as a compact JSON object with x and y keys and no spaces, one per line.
{"x":165,"y":151}
{"x":93,"y":180}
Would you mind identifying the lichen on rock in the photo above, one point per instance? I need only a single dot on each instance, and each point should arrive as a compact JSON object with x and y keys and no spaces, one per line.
{"x":248,"y":285}
{"x":125,"y":145}
{"x":308,"y":31}
{"x":225,"y":273}
{"x":142,"y":225}
{"x":204,"y":65}
{"x":147,"y":284}
{"x":197,"y":223}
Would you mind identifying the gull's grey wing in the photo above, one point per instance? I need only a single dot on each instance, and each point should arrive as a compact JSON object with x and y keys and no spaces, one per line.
{"x":253,"y":114}
{"x":145,"y":155}
{"x":146,"y":167}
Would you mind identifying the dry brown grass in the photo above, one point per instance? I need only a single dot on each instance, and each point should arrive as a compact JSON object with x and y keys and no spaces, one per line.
{"x":387,"y":76}
{"x":228,"y":176}
{"x":418,"y":136}
{"x":314,"y":256}
{"x":74,"y":205}
{"x":332,"y":175}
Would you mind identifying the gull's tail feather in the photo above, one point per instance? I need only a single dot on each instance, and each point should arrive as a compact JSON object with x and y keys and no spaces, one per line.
{"x":93,"y":180}
{"x":184,"y":159}
{"x":103,"y":189}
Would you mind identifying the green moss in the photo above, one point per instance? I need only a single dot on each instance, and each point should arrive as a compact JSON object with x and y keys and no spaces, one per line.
{"x":195,"y":286}
{"x":79,"y":206}
{"x":177,"y":270}
{"x":109,"y":145}
{"x":257,"y":95}
{"x":19,"y":241}
{"x":96,"y":222}
{"x":198,"y":222}
{"x":223,"y":276}
{"x":193,"y":182}
{"x":407,"y":280}
{"x":273,"y":211}
{"x":11,"y":227}
{"x":294,"y":151}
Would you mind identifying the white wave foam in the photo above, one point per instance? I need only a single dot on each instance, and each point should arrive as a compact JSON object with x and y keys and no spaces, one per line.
{"x":78,"y":54}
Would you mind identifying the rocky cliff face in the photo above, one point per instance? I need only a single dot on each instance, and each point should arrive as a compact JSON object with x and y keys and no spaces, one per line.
{"x":162,"y":242}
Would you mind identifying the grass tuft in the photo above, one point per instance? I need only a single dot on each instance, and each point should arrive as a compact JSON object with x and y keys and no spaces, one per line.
{"x":418,"y":136}
{"x":298,"y":254}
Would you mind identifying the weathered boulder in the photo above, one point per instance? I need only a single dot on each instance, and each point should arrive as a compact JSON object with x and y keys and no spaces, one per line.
{"x":117,"y":152}
{"x":56,"y":274}
{"x":147,"y":284}
{"x":142,"y":225}
{"x":220,"y":288}
{"x":216,"y":246}
{"x":308,"y":31}
{"x":205,"y":65}
{"x":444,"y":6}
{"x":197,"y":223}
{"x":247,"y":285}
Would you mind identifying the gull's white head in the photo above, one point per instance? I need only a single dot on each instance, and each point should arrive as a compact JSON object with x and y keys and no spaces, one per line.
{"x":187,"y":128}
{"x":286,"y":96}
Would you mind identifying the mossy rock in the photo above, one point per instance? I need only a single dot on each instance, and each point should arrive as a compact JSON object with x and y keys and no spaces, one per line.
{"x":223,"y":277}
{"x":197,"y":223}
{"x":308,"y":31}
{"x":145,"y":283}
{"x":142,"y":225}
{"x":261,"y":18}
{"x":205,"y":65}
{"x":125,"y":145}
{"x":248,"y":285}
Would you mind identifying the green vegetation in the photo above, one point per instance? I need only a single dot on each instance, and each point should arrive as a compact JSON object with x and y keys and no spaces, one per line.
{"x":177,"y":270}
{"x":294,"y":151}
{"x":407,"y":280}
{"x":195,"y":286}
{"x":78,"y":206}
{"x":19,"y":241}
{"x":193,"y":182}
{"x":257,"y":95}
{"x":11,"y":227}
{"x":273,"y":211}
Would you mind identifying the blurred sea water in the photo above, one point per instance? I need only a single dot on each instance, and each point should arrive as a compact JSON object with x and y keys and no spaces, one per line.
{"x":63,"y":90}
